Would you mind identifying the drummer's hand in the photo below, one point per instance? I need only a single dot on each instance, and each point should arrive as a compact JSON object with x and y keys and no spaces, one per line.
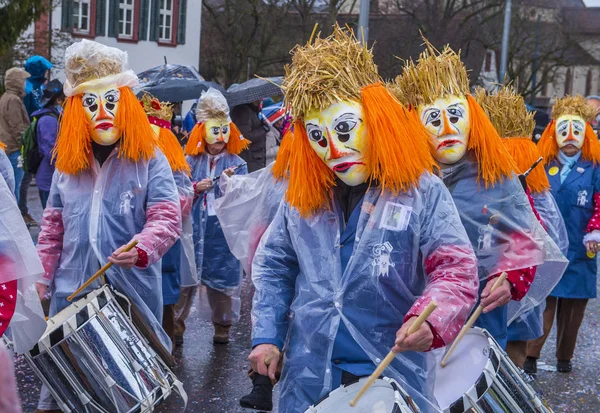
{"x":41,"y":290}
{"x":592,"y":246}
{"x":263,"y":354}
{"x":124,"y":259}
{"x":420,"y":340}
{"x":229,"y":171}
{"x":203,"y":185}
{"x":501,"y":296}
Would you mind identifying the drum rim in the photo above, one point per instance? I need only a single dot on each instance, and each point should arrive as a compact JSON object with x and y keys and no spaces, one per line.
{"x":485,"y":380}
{"x":102,"y":296}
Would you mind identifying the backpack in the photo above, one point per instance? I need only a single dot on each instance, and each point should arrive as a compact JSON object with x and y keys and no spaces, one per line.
{"x":32,"y":158}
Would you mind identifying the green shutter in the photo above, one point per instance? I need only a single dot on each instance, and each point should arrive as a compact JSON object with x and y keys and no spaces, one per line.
{"x":113,"y":18}
{"x":181,"y":21}
{"x":144,"y":8}
{"x":100,"y":17}
{"x":67,"y":15}
{"x":154,"y":21}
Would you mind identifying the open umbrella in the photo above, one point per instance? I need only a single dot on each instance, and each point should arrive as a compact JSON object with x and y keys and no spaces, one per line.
{"x":253,"y":90}
{"x":173,"y":83}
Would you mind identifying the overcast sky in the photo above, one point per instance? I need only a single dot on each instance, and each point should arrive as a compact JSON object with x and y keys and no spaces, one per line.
{"x":592,"y":3}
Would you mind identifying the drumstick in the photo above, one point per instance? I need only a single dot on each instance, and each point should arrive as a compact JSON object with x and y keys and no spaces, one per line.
{"x":101,"y":271}
{"x":391,"y":355}
{"x":471,"y":320}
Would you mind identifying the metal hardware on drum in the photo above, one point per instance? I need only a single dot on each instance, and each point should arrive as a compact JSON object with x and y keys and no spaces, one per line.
{"x":93,"y":359}
{"x":490,"y":384}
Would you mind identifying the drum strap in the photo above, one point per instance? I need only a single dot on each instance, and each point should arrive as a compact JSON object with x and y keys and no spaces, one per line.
{"x":180,"y":390}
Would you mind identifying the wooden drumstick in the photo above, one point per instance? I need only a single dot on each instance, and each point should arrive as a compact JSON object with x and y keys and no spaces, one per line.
{"x":100,"y":272}
{"x":391,"y":355}
{"x":471,"y":321}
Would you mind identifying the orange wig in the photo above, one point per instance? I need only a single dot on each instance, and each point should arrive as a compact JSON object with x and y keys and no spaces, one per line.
{"x":495,"y":162}
{"x":74,"y":143}
{"x":590,"y":151}
{"x":397,"y":154}
{"x":525,"y":153}
{"x":281,"y":166}
{"x":196,"y":143}
{"x":2,"y":146}
{"x":169,"y":145}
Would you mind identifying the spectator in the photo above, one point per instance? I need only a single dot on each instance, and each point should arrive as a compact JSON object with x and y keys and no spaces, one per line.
{"x":46,"y":132}
{"x":37,"y":67}
{"x":14,"y":120}
{"x":594,"y":101}
{"x":253,"y":129}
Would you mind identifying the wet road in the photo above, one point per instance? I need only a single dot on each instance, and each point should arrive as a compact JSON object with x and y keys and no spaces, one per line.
{"x":214,"y":376}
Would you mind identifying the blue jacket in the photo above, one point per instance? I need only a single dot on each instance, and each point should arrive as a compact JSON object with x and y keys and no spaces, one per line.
{"x":217,"y":267}
{"x":575,"y":202}
{"x":501,"y":227}
{"x":46,"y":133}
{"x":311,"y":288}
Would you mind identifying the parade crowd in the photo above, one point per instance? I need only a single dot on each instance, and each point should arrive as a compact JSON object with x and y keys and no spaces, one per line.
{"x":355,"y":206}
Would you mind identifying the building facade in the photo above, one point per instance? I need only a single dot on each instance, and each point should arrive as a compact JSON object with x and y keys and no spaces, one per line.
{"x":150,"y":31}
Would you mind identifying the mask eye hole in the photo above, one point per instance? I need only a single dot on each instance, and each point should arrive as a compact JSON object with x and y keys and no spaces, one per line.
{"x":225,"y":130}
{"x":433,"y":117}
{"x":89,"y":101}
{"x":315,"y":134}
{"x":215,"y":130}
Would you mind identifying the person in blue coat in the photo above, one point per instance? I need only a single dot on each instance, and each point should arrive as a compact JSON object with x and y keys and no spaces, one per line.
{"x":514,"y":123}
{"x":366,"y":238}
{"x":480,"y":175}
{"x":212,"y":150}
{"x":572,"y":153}
{"x":178,"y":264}
{"x":112,"y":185}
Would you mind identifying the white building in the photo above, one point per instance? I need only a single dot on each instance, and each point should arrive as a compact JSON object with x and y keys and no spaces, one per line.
{"x":150,"y":31}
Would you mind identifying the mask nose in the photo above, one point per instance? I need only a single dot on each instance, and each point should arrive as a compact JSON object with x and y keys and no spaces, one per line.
{"x":447,"y":129}
{"x":334,"y":152}
{"x":102,"y":114}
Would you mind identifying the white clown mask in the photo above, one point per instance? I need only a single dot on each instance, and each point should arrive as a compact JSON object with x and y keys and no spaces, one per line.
{"x":101,"y":104}
{"x":338,"y":135}
{"x":448,"y":122}
{"x":217,"y":131}
{"x":570,"y":130}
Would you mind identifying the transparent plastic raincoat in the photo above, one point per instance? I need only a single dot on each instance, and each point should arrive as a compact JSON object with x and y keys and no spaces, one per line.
{"x":217,"y":267}
{"x":20,"y":268}
{"x":409,"y":249}
{"x":6,"y":171}
{"x":527,"y":324}
{"x":246,"y":209}
{"x":91,"y":214}
{"x":187,"y":267}
{"x":506,"y":236}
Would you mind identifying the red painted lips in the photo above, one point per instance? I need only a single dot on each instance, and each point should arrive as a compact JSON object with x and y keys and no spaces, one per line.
{"x":448,"y":142}
{"x":104,"y":126}
{"x":345,"y":166}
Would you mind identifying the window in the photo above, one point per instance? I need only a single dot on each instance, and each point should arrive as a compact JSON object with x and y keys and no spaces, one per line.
{"x":165,"y":29}
{"x":81,"y":16}
{"x":126,"y":18}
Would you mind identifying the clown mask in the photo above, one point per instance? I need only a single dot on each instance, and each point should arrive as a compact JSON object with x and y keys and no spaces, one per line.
{"x":570,"y":130}
{"x":448,"y":122}
{"x":101,"y":104}
{"x":339,"y":136}
{"x":217,"y":131}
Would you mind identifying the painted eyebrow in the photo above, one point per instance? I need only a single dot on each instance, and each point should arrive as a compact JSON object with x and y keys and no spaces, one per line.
{"x":456,"y":105}
{"x":578,"y":123}
{"x":345,"y":115}
{"x":313,"y":125}
{"x":562,"y":124}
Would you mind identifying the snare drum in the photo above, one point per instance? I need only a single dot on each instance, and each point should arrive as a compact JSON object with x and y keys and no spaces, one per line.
{"x":479,"y":377}
{"x":93,"y":359}
{"x":384,"y":396}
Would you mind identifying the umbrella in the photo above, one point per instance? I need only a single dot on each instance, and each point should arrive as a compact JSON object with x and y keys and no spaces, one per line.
{"x":253,"y":90}
{"x":173,"y":83}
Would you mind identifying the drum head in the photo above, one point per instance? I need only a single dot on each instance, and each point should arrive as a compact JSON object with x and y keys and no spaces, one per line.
{"x":379,"y":398}
{"x":463,"y":369}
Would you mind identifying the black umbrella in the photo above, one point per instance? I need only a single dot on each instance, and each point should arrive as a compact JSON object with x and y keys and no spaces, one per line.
{"x":253,"y":90}
{"x":173,"y":83}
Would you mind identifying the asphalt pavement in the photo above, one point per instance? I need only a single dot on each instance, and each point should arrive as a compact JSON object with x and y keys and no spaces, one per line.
{"x":215,"y":376}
